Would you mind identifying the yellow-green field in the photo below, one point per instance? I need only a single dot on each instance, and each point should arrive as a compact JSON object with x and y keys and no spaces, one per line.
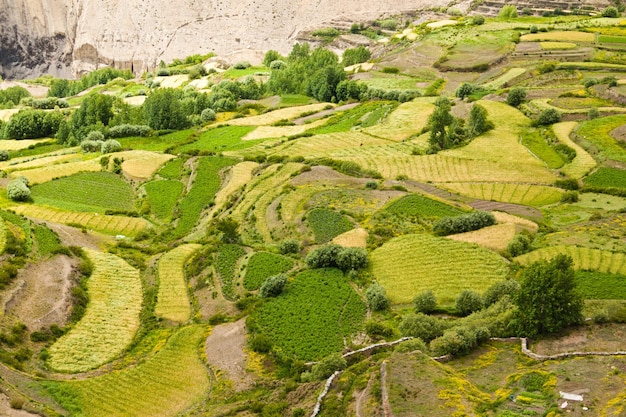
{"x":172,"y":298}
{"x":108,"y":224}
{"x":50,"y":172}
{"x":551,"y":46}
{"x":170,"y":381}
{"x":3,"y":236}
{"x":502,"y":217}
{"x":411,"y":264}
{"x":41,"y":161}
{"x":582,"y":163}
{"x":16,"y":145}
{"x":405,"y":121}
{"x":527,"y":194}
{"x":585,"y":259}
{"x":505,"y":78}
{"x":560,"y":36}
{"x":495,"y":237}
{"x":240,"y":175}
{"x":142,"y":164}
{"x":110,"y":321}
{"x":272,"y":117}
{"x":264,"y":132}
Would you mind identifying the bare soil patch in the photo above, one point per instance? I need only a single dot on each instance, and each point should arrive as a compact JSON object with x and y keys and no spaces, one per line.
{"x":609,"y":337}
{"x":326,"y":174}
{"x":7,"y":411}
{"x":619,"y":133}
{"x":71,"y":236}
{"x":42,"y":294}
{"x":224,"y":350}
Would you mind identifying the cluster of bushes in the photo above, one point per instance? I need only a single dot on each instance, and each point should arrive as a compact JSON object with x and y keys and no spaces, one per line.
{"x":463,"y":223}
{"x":376,"y":297}
{"x":17,"y":190}
{"x":12,"y":96}
{"x":335,"y":256}
{"x":273,"y":286}
{"x":66,"y":88}
{"x":95,"y":143}
{"x":32,"y":124}
{"x":127,"y":130}
{"x":353,"y":56}
{"x":468,"y":89}
{"x":48,"y":103}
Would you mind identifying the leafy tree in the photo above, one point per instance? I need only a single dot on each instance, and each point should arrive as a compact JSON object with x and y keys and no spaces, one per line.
{"x":273,"y":286}
{"x":63,"y":133}
{"x":207,"y":115}
{"x":516,"y":96}
{"x":110,"y":146}
{"x":377,"y":297}
{"x":271,"y":56}
{"x":439,"y":122}
{"x":478,"y":123}
{"x":548,"y":117}
{"x":508,"y":287}
{"x":353,"y":56}
{"x":351,"y":259}
{"x":468,"y":302}
{"x":327,"y":366}
{"x":548,"y":300}
{"x":228,"y":227}
{"x":610,"y":12}
{"x":32,"y":124}
{"x":466,"y":90}
{"x":519,"y":245}
{"x":423,"y":326}
{"x":324,"y":257}
{"x":17,"y":190}
{"x":163,"y":110}
{"x":425,"y":302}
{"x":288,"y":246}
{"x":508,"y":12}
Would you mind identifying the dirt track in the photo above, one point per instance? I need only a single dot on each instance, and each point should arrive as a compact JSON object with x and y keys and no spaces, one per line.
{"x":225,"y":351}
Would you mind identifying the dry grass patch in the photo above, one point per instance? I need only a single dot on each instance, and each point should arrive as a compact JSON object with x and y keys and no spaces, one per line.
{"x":172,"y":299}
{"x":405,"y":121}
{"x":505,"y":78}
{"x":240,"y":175}
{"x":17,"y":145}
{"x":272,"y":117}
{"x":496,"y":237}
{"x":142,"y":164}
{"x":559,"y":36}
{"x":329,"y":144}
{"x":172,"y":81}
{"x":550,"y":46}
{"x":29,"y":162}
{"x":355,"y":238}
{"x":110,"y":321}
{"x":502,"y":217}
{"x":442,"y":23}
{"x":527,"y":194}
{"x":585,"y":259}
{"x":50,"y":172}
{"x":583,"y":163}
{"x":265,"y":132}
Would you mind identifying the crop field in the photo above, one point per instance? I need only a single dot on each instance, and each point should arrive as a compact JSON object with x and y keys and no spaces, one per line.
{"x":502,"y":217}
{"x":612,"y":39}
{"x":597,"y":132}
{"x":269,"y":132}
{"x":582,"y":162}
{"x":110,"y":321}
{"x":328,"y":144}
{"x":310,"y":320}
{"x":163,"y":196}
{"x":327,"y":224}
{"x":3,"y":236}
{"x":495,"y":237}
{"x":225,"y":264}
{"x":47,"y":241}
{"x":355,"y":238}
{"x":527,"y":194}
{"x":263,"y":265}
{"x":272,"y":117}
{"x":16,"y":145}
{"x":502,"y":80}
{"x":168,"y":382}
{"x":580,"y":103}
{"x":585,"y":259}
{"x":142,"y":164}
{"x":158,"y":144}
{"x":112,"y":225}
{"x":50,"y":172}
{"x":240,"y":175}
{"x":407,"y":120}
{"x":293,"y":203}
{"x":464,"y":266}
{"x":17,"y":164}
{"x":601,"y":285}
{"x":173,"y":170}
{"x":219,"y":139}
{"x":419,"y":205}
{"x":551,"y":46}
{"x":606,"y":177}
{"x":384,"y":81}
{"x":560,"y":36}
{"x":172,"y":298}
{"x":89,"y":191}
{"x":206,"y":184}
{"x":536,"y":144}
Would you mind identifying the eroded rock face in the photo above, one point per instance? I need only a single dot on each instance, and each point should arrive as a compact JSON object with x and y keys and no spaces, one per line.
{"x":66,"y":37}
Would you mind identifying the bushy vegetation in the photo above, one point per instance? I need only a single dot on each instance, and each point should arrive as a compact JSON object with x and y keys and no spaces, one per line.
{"x":263,"y":265}
{"x":226,"y":262}
{"x":376,"y":297}
{"x":331,"y":256}
{"x":66,"y":88}
{"x":357,"y":55}
{"x":31,"y":124}
{"x":463,"y":223}
{"x":327,"y":224}
{"x":425,"y":302}
{"x":17,"y":189}
{"x":273,"y":286}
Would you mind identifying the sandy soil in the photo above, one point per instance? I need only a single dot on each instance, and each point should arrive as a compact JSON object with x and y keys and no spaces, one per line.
{"x":7,"y":411}
{"x":71,"y":236}
{"x":37,"y":91}
{"x":42,"y":293}
{"x":225,"y":351}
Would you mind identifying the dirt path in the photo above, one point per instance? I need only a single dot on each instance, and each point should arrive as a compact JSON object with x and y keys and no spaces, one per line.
{"x":71,"y":236}
{"x":42,"y":294}
{"x":224,"y":350}
{"x":323,"y":113}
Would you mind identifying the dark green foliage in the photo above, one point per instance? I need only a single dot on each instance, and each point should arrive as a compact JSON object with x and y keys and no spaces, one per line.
{"x":463,"y":223}
{"x":327,"y":224}
{"x":289,"y":246}
{"x":376,"y":330}
{"x":548,"y":117}
{"x":263,"y":265}
{"x":548,"y":300}
{"x":66,"y":88}
{"x":327,"y":366}
{"x":357,"y":55}
{"x":323,"y":257}
{"x":478,"y":19}
{"x":610,"y":12}
{"x":508,"y":12}
{"x":207,"y":115}
{"x":126,"y":130}
{"x":32,"y":124}
{"x":349,"y":259}
{"x":497,"y":291}
{"x":260,"y":343}
{"x":516,"y":96}
{"x":271,"y":56}
{"x":48,"y":242}
{"x":95,"y":112}
{"x":477,"y":123}
{"x":445,"y":129}
{"x":331,"y":256}
{"x":421,"y":325}
{"x":519,"y":245}
{"x":466,"y":90}
{"x":377,"y":297}
{"x":458,"y":341}
{"x":12,"y":96}
{"x":416,"y":205}
{"x":273,"y":286}
{"x":4,"y":156}
{"x":163,"y":110}
{"x":567,"y":184}
{"x":425,"y":302}
{"x":468,"y":302}
{"x":569,"y":197}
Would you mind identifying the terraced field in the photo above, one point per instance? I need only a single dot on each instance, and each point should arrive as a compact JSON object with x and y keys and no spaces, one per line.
{"x":168,"y":382}
{"x":582,"y":163}
{"x":163,"y":196}
{"x":272,"y":117}
{"x":585,"y":259}
{"x":526,"y":194}
{"x":494,"y":237}
{"x":3,"y":236}
{"x":419,"y":205}
{"x":110,"y":321}
{"x":240,"y":175}
{"x":172,"y":298}
{"x":505,"y":78}
{"x":50,"y":172}
{"x":327,"y":224}
{"x":444,"y":266}
{"x":225,"y":263}
{"x":405,"y":121}
{"x":263,"y":265}
{"x":142,"y":164}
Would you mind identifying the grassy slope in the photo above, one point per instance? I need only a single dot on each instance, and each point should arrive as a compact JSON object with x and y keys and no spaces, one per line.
{"x":172,"y":298}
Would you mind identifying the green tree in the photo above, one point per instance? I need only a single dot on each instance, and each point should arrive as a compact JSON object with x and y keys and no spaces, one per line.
{"x":508,"y":12}
{"x":17,"y":190}
{"x":439,"y":122}
{"x":164,"y":110}
{"x":516,"y":96}
{"x":548,"y":300}
{"x":273,"y":286}
{"x":423,"y":326}
{"x":468,"y":302}
{"x":353,"y":56}
{"x":478,"y":123}
{"x":271,"y":56}
{"x":376,"y":297}
{"x":610,"y":12}
{"x":425,"y":302}
{"x":548,"y":117}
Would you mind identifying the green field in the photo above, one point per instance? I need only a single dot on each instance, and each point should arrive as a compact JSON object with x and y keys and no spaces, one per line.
{"x":172,"y":298}
{"x":612,"y":39}
{"x":159,"y":143}
{"x":585,"y":259}
{"x":220,"y":139}
{"x":47,"y":241}
{"x":167,"y":383}
{"x":327,"y":224}
{"x":418,"y":205}
{"x":601,"y":285}
{"x":310,"y":320}
{"x":404,"y":274}
{"x":89,"y":191}
{"x":345,"y":120}
{"x":597,"y":132}
{"x":110,"y":321}
{"x":263,"y":265}
{"x":3,"y":236}
{"x":607,"y":178}
{"x":163,"y":196}
{"x":225,"y":264}
{"x":535,"y":142}
{"x":173,"y":170}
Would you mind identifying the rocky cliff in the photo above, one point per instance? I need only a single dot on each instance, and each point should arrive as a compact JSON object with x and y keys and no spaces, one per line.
{"x":65,"y":37}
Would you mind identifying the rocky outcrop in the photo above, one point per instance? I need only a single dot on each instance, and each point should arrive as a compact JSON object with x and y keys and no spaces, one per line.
{"x":66,"y":37}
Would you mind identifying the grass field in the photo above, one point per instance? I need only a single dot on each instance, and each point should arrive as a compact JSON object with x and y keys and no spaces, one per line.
{"x":268,"y":132}
{"x":226,"y":262}
{"x":47,"y":241}
{"x":173,"y":170}
{"x":16,"y":145}
{"x":219,"y":139}
{"x":3,"y":236}
{"x":355,"y":238}
{"x":601,"y":285}
{"x":168,"y":382}
{"x":89,"y":191}
{"x":112,"y":225}
{"x":560,"y":36}
{"x":585,"y":259}
{"x":272,"y":117}
{"x":502,"y":217}
{"x":607,"y":178}
{"x":17,"y":164}
{"x":444,"y":266}
{"x":582,"y":162}
{"x":502,"y":80}
{"x":326,"y":224}
{"x":163,"y":196}
{"x":313,"y":316}
{"x":612,"y":39}
{"x":527,"y":194}
{"x":263,"y":265}
{"x":495,"y":237}
{"x":50,"y":172}
{"x":405,"y":121}
{"x":597,"y":132}
{"x":172,"y":298}
{"x":535,"y":142}
{"x":159,"y":143}
{"x":240,"y":175}
{"x":419,"y":205}
{"x":551,"y":46}
{"x":110,"y":321}
{"x":344,"y":121}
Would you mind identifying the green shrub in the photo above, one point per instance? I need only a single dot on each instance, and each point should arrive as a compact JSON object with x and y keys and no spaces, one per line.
{"x":260,"y":343}
{"x":127,"y":130}
{"x":456,"y":342}
{"x":377,"y":297}
{"x":323,"y":257}
{"x":478,"y":20}
{"x":4,"y":156}
{"x":569,"y":197}
{"x":497,"y":291}
{"x":273,"y":286}
{"x":610,"y":12}
{"x":391,"y":70}
{"x":508,"y":12}
{"x":242,"y":65}
{"x":519,"y":245}
{"x":412,"y":345}
{"x":548,"y":117}
{"x":207,"y":115}
{"x":467,"y":89}
{"x":90,"y":146}
{"x":423,"y":326}
{"x":95,"y":136}
{"x":357,"y":55}
{"x":289,"y":246}
{"x":376,"y":330}
{"x":349,"y":259}
{"x":17,"y":190}
{"x":516,"y":96}
{"x":110,"y":146}
{"x":425,"y":302}
{"x":278,"y":65}
{"x":463,"y":223}
{"x":327,"y":366}
{"x":468,"y":302}
{"x":593,"y":113}
{"x":567,"y":183}
{"x":534,"y":29}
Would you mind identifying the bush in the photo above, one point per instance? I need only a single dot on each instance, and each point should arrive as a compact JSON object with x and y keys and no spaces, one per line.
{"x":334,"y":256}
{"x":278,"y":65}
{"x":610,"y":12}
{"x":353,"y":56}
{"x":463,"y":223}
{"x":242,"y":65}
{"x":569,"y":197}
{"x":289,"y":246}
{"x":519,"y":245}
{"x":497,"y":291}
{"x":412,"y":345}
{"x":593,"y":113}
{"x":534,"y":29}
{"x":273,"y":286}
{"x":516,"y":96}
{"x":478,"y":20}
{"x":17,"y":190}
{"x":423,"y":326}
{"x":467,"y":89}
{"x":90,"y":146}
{"x":127,"y":130}
{"x":425,"y":302}
{"x":260,"y":343}
{"x":110,"y":146}
{"x":349,"y":259}
{"x":323,"y":257}
{"x":376,"y":330}
{"x":207,"y":115}
{"x":456,"y":342}
{"x":567,"y":184}
{"x":4,"y":156}
{"x":377,"y":297}
{"x":468,"y":302}
{"x":327,"y":366}
{"x":548,"y":117}
{"x":508,"y":12}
